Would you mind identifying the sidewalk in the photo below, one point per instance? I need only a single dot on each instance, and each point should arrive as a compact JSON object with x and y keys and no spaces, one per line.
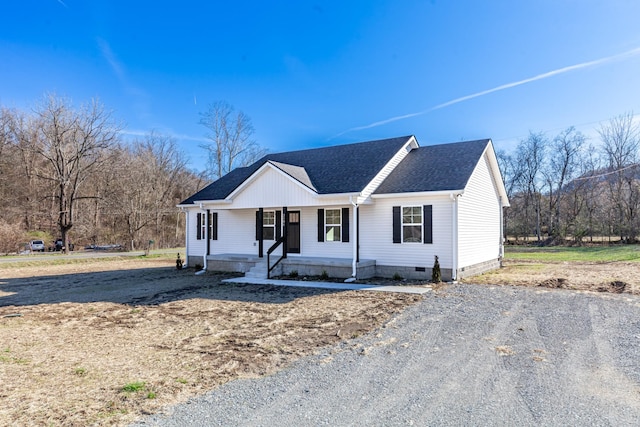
{"x":329,"y":285}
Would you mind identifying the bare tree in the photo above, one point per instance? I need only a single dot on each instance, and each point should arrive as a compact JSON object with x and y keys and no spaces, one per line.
{"x":159,"y":171}
{"x":621,"y":140}
{"x":230,"y":133}
{"x":511,"y":175}
{"x":73,"y":145}
{"x":564,"y":161}
{"x":27,"y":193}
{"x":530,"y":158}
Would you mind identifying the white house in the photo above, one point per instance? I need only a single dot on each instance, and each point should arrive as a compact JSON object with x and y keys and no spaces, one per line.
{"x":376,"y":208}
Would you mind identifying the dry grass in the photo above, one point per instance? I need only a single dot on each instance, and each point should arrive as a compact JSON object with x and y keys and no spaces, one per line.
{"x":615,"y":277}
{"x":106,"y":362}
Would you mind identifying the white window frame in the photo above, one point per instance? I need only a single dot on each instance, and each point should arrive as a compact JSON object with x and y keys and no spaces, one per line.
{"x":337,"y":237}
{"x":404,"y":224}
{"x":203,"y":225}
{"x":266,"y":226}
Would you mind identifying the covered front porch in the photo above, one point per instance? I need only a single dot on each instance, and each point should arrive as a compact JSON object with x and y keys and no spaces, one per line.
{"x":305,"y":266}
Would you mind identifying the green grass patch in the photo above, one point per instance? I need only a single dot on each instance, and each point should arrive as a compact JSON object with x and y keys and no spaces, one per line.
{"x":133,"y":387}
{"x":528,"y":266}
{"x":579,"y":254}
{"x":58,"y":259}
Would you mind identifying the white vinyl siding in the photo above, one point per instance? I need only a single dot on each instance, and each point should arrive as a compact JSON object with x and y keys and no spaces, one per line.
{"x":479,"y":218}
{"x":196,"y":247}
{"x":236,"y":233}
{"x":376,"y":233}
{"x":274,"y":189}
{"x":309,"y":245}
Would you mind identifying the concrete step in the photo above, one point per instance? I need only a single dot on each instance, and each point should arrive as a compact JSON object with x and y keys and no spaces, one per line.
{"x":258,"y":271}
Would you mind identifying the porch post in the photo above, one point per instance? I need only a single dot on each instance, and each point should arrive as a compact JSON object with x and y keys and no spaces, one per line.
{"x":260,"y":234}
{"x":285,"y":231}
{"x":354,"y":266}
{"x":206,"y":251}
{"x":186,"y":236}
{"x":207,"y":233}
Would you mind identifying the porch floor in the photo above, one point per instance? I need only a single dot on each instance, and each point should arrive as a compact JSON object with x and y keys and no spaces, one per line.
{"x":329,"y":285}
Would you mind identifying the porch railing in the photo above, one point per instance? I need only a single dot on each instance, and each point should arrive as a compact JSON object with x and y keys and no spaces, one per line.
{"x":270,"y":250}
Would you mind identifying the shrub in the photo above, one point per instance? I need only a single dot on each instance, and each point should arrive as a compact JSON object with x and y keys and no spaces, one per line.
{"x":397,"y":276}
{"x":436,"y":276}
{"x":293,"y":273}
{"x":324,"y":275}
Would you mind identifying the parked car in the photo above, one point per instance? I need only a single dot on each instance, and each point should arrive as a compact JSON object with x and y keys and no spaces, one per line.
{"x":36,"y":246}
{"x":58,"y":245}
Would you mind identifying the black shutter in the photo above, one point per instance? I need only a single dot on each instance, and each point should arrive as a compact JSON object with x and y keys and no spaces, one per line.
{"x":214,"y":225}
{"x":427,"y":223}
{"x":345,"y":224}
{"x":320,"y":225}
{"x":198,"y":226}
{"x":397,"y":225}
{"x":278,"y":224}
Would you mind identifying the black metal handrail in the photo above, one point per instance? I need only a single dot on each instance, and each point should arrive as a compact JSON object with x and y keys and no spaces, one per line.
{"x":270,"y":250}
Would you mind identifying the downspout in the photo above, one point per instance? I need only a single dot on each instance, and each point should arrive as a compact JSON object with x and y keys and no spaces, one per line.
{"x":204,"y":258}
{"x":501,"y":244}
{"x":454,"y":237}
{"x":186,"y":236}
{"x":354,"y":263}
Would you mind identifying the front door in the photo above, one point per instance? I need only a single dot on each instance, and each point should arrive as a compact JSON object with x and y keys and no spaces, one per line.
{"x":293,"y":231}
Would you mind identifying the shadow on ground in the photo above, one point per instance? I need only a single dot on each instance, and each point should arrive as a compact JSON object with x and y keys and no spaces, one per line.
{"x":146,"y":286}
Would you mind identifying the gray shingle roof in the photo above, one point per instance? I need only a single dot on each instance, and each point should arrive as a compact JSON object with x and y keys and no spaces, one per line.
{"x":435,"y":168}
{"x":332,"y":170}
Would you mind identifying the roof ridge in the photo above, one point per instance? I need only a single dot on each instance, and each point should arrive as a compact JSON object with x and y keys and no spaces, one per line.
{"x":329,"y":147}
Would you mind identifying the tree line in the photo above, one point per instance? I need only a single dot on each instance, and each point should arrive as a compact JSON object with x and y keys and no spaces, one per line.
{"x":66,"y":173}
{"x":569,"y":189}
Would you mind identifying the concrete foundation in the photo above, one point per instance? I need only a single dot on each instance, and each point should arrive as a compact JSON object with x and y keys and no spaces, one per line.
{"x":413,"y":273}
{"x":479,"y":268}
{"x":235,"y":263}
{"x":339,"y":268}
{"x":334,"y":267}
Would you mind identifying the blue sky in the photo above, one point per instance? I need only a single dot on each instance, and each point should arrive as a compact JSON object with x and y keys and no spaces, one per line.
{"x":317,"y":73}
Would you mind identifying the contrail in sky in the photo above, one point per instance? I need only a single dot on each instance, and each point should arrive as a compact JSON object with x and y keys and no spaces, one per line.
{"x":63,"y":3}
{"x":617,"y":57}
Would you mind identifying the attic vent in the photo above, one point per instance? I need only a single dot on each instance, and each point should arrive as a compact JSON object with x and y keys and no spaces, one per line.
{"x":408,"y":148}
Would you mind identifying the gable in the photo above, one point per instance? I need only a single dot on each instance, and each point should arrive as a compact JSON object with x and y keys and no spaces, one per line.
{"x":271,"y":187}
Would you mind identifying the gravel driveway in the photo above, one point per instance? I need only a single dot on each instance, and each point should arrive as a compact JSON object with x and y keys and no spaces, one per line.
{"x":466,"y":355}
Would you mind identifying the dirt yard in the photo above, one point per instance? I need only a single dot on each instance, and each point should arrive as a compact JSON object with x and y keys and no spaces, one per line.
{"x":104,"y":342}
{"x":615,"y":277}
